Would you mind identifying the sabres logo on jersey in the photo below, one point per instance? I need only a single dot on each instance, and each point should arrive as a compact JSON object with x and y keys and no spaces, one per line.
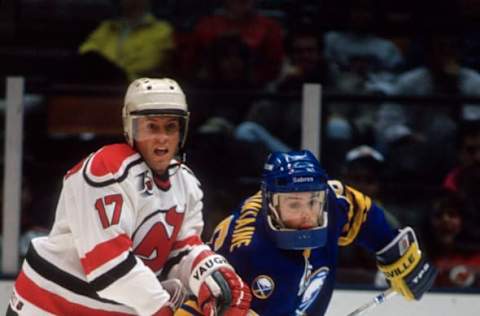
{"x":312,"y":289}
{"x":262,"y":287}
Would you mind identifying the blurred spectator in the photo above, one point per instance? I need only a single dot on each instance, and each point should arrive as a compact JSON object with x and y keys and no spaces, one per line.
{"x":470,"y":11}
{"x":442,"y":74}
{"x":230,"y":175}
{"x":468,"y":181}
{"x":433,"y":124}
{"x":409,"y":156}
{"x":457,"y":266}
{"x":262,"y":34}
{"x":305,"y":62}
{"x":357,"y":57}
{"x":360,"y":63}
{"x":468,"y":152}
{"x":363,"y":169}
{"x":411,"y":172}
{"x":276,"y":123}
{"x":136,"y":41}
{"x":184,"y":16}
{"x":272,"y":124}
{"x":228,"y":75}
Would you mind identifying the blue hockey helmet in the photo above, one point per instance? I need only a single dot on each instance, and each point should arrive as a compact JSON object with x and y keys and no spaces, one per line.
{"x":294,"y":172}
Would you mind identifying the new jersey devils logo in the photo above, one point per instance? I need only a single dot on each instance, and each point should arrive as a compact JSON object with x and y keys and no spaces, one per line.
{"x":155,"y":236}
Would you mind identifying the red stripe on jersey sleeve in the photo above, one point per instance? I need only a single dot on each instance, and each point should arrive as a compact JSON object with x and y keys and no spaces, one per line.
{"x":53,"y":303}
{"x":109,"y":159}
{"x":190,"y":241}
{"x":104,"y":252}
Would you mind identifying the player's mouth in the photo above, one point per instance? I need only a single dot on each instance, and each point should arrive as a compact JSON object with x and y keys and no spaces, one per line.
{"x":306,"y":226}
{"x":160,"y":152}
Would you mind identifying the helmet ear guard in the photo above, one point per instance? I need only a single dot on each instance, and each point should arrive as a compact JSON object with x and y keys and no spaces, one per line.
{"x":147,"y":96}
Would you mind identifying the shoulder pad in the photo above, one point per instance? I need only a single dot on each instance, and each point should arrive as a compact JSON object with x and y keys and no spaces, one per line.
{"x":358,"y":207}
{"x":337,"y":187}
{"x":253,"y":203}
{"x":183,"y":166}
{"x":109,"y":159}
{"x":187,"y":173}
{"x":110,"y":163}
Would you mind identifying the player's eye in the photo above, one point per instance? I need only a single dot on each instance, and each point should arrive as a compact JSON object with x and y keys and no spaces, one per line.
{"x":172,"y":127}
{"x":152,"y":127}
{"x":294,"y":205}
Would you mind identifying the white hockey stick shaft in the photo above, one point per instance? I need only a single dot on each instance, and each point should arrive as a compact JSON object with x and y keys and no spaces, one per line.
{"x":377,"y":300}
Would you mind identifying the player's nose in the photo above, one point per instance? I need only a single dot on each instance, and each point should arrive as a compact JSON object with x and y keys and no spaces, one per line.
{"x":308,"y":220}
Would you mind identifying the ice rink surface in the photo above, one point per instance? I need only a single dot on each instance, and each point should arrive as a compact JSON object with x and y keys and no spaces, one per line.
{"x":435,"y":304}
{"x":345,"y":301}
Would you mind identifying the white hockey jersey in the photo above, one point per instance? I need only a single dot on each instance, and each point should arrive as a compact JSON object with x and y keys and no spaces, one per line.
{"x":117,"y":228}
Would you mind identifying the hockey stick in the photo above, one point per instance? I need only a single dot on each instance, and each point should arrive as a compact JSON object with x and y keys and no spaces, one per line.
{"x":377,"y":300}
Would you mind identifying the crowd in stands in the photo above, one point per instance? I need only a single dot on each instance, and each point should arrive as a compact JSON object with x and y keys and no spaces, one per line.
{"x":243,"y":64}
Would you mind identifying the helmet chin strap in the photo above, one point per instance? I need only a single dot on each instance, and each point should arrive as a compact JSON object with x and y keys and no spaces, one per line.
{"x":181,"y":160}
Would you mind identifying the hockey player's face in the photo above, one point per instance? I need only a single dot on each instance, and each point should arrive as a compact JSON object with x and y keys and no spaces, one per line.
{"x":157,"y":139}
{"x":301,"y":210}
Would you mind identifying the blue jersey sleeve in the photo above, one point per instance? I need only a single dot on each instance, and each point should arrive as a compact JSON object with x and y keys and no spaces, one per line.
{"x":376,"y":233}
{"x":363,"y":222}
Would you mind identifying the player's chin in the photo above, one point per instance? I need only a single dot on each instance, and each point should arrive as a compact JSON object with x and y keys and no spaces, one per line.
{"x":307,"y":225}
{"x":297,"y":225}
{"x":161,"y":168}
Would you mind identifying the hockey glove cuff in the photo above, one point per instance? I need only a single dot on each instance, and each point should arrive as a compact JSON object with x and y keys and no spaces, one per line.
{"x":219,"y":290}
{"x":177,"y":293}
{"x":405,"y":267}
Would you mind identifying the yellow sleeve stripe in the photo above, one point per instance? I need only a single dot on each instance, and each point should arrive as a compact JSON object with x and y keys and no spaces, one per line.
{"x":189,"y":308}
{"x":359,"y":204}
{"x":220,"y":233}
{"x":253,"y":203}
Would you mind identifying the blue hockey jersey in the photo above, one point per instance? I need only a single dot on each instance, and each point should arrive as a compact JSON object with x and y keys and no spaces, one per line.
{"x":298,"y":282}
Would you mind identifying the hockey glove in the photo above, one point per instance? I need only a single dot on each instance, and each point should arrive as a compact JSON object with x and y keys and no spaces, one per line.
{"x":177,"y":293}
{"x":219,"y":290}
{"x":405,"y":267}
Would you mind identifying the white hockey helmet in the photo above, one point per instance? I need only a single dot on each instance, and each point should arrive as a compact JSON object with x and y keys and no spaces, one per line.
{"x":149,"y":96}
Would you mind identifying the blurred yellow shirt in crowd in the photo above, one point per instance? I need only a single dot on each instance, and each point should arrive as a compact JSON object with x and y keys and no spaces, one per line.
{"x":139,"y":49}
